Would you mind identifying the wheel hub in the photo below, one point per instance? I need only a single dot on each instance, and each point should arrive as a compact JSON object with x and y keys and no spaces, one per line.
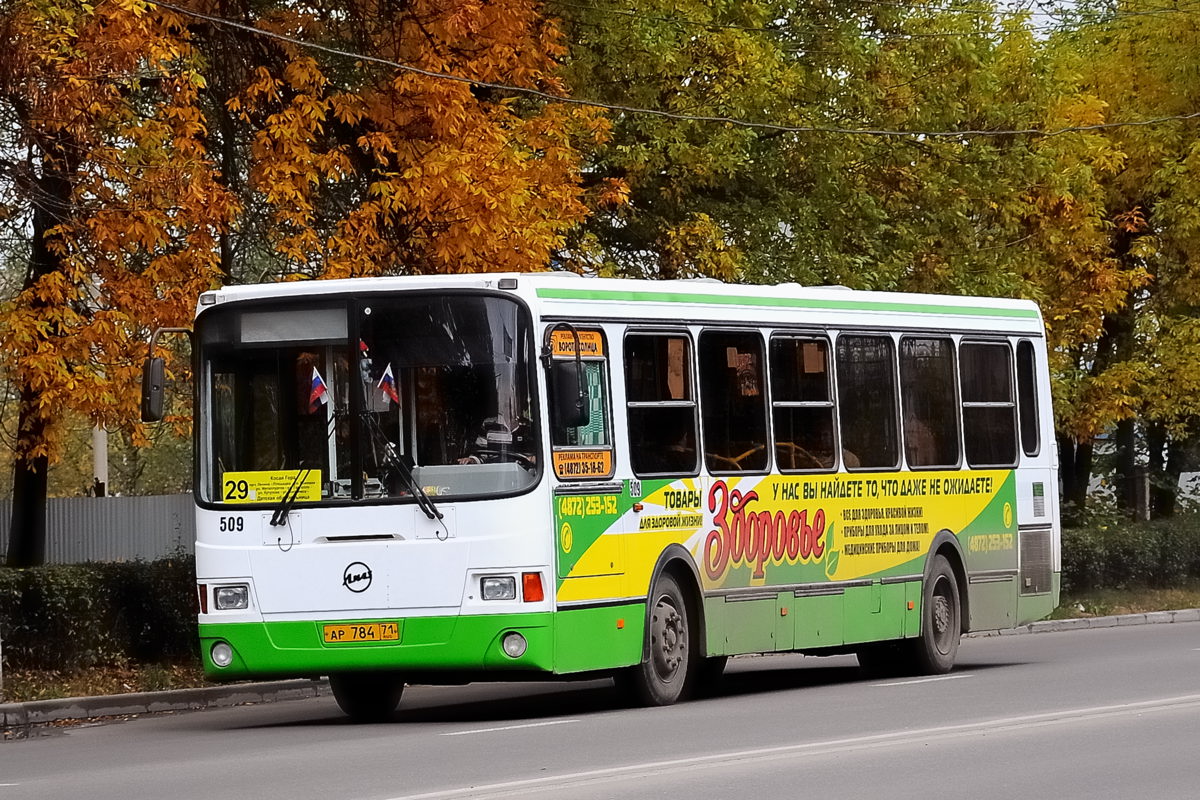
{"x":668,"y":640}
{"x":942,"y":616}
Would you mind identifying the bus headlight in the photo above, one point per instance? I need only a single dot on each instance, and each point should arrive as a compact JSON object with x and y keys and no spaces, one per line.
{"x":231,"y":598}
{"x":514,"y":644}
{"x":498,"y":588}
{"x":222,"y":654}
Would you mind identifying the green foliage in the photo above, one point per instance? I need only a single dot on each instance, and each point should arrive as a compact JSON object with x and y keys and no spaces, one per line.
{"x":78,"y":616}
{"x":1117,"y":554}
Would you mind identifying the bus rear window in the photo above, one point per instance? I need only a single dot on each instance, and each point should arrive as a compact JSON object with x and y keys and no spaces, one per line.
{"x":989,"y":410}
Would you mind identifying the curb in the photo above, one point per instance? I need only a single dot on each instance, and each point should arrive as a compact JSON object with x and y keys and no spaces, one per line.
{"x":16,"y":719}
{"x":1082,"y":623}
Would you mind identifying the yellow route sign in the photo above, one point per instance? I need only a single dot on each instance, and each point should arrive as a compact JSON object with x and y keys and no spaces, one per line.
{"x":562,"y":344}
{"x":270,"y":486}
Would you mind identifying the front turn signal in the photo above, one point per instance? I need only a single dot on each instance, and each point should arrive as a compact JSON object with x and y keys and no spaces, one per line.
{"x":531,"y":587}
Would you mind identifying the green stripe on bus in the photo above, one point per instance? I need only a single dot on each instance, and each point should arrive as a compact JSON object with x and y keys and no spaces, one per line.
{"x":296,"y":648}
{"x":565,"y":641}
{"x":808,"y":303}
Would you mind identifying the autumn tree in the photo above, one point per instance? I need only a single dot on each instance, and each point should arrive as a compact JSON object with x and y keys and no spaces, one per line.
{"x":913,"y":147}
{"x":104,"y":174}
{"x":367,"y":137}
{"x":850,"y":171}
{"x":1138,"y":375}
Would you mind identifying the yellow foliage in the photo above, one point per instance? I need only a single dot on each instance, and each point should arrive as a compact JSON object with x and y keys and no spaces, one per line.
{"x":129,"y":241}
{"x":445,"y":179}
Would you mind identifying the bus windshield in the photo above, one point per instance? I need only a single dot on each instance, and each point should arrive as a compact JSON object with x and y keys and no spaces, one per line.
{"x":357,"y":400}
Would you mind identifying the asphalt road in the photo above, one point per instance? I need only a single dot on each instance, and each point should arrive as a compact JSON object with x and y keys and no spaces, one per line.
{"x":1080,"y":714}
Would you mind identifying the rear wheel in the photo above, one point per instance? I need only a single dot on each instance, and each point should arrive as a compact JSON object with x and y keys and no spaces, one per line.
{"x":934,"y":651}
{"x":668,"y":672}
{"x":367,"y":696}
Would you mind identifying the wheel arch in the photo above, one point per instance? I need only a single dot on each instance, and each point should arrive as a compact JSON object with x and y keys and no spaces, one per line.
{"x":678,"y":562}
{"x":946,"y":544}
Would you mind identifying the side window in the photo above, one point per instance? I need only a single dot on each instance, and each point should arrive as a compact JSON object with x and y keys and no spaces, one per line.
{"x":586,"y":451}
{"x":989,"y":413}
{"x":733,"y":401}
{"x":802,"y":403}
{"x":661,"y":404}
{"x":1027,"y":397}
{"x":929,"y":400}
{"x":866,"y":381}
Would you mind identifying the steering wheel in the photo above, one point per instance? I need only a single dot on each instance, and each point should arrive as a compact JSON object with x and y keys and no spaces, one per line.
{"x":507,"y":455}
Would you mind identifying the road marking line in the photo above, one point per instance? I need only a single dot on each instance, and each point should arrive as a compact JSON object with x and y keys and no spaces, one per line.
{"x":925,"y":680}
{"x":510,"y":727}
{"x":828,"y":746}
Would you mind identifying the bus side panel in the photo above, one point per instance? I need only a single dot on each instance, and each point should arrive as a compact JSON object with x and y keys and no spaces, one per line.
{"x":989,"y":545}
{"x":874,"y":612}
{"x":791,"y":562}
{"x":598,"y":638}
{"x":993,"y":605}
{"x":819,"y":621}
{"x":750,"y":625}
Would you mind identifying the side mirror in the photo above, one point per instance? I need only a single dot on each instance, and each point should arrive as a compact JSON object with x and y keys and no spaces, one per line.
{"x":571,"y":406}
{"x":152,"y":389}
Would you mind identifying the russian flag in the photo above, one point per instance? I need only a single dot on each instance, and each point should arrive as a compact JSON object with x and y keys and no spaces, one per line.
{"x":319,"y":393}
{"x":387,"y":384}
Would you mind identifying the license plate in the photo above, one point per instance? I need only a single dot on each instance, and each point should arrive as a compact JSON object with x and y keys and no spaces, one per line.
{"x":362,"y":632}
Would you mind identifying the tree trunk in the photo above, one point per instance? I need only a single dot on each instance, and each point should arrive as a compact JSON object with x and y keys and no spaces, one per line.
{"x":1126,"y":474}
{"x":1075,"y":471}
{"x":1162,"y":495}
{"x":27,"y":531}
{"x":1165,"y":490}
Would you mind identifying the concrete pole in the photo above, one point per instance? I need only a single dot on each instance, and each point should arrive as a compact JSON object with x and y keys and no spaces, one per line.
{"x":100,"y":460}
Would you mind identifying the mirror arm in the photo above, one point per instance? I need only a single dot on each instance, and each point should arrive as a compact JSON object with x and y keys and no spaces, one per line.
{"x":158,"y":332}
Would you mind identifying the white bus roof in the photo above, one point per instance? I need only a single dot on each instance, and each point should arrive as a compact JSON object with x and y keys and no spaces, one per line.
{"x":561,"y":295}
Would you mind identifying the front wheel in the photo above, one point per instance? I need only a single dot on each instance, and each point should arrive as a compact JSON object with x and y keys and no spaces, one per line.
{"x":367,"y":696}
{"x":934,"y":651}
{"x":668,"y":672}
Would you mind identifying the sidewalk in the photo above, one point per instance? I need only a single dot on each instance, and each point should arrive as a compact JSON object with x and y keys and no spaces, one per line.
{"x":1055,"y":625}
{"x":16,"y":719}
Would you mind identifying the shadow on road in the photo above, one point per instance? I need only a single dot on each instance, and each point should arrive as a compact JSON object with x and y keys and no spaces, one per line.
{"x":532,"y":702}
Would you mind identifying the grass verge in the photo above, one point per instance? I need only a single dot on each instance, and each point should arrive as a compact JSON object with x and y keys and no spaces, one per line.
{"x":1107,"y":602}
{"x":35,"y":684}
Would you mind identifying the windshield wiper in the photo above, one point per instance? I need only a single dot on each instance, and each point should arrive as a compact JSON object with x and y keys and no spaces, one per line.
{"x":392,"y":459}
{"x":280,"y":516}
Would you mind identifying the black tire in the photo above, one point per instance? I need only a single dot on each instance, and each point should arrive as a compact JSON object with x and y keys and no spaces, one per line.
{"x":367,"y":696}
{"x":934,"y":651}
{"x":668,"y":673}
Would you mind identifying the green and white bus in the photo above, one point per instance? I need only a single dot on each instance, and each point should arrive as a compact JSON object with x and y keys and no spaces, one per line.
{"x":455,"y":478}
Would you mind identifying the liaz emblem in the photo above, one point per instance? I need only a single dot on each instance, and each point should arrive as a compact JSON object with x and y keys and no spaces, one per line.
{"x":357,"y":577}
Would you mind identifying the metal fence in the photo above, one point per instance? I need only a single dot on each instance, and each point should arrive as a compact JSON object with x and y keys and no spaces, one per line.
{"x":113,"y":528}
